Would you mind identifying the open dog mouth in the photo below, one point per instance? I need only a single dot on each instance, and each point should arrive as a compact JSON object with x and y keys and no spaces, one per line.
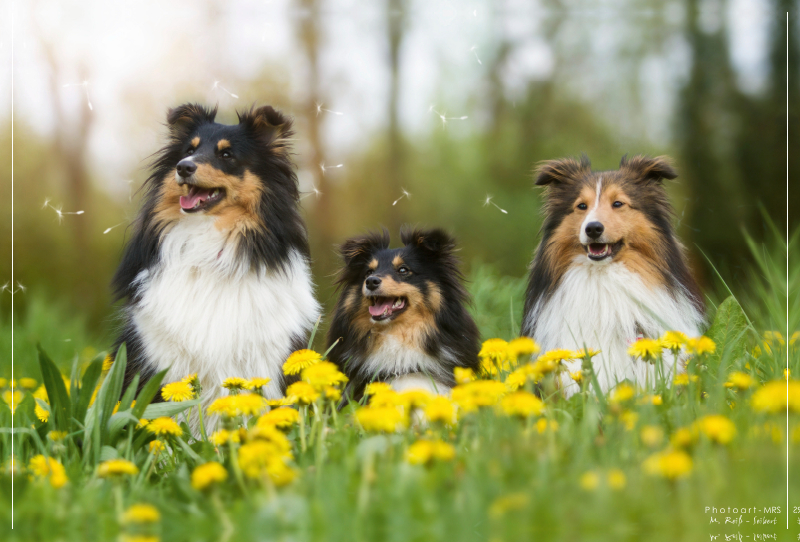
{"x":386,"y":308}
{"x":601,"y":251}
{"x":201,"y":199}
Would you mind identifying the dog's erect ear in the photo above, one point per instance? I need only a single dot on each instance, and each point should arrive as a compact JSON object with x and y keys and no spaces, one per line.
{"x":358,"y":250}
{"x":435,"y":242}
{"x":271,"y":127}
{"x":644,"y":169}
{"x":564,"y":170}
{"x":184,"y":119}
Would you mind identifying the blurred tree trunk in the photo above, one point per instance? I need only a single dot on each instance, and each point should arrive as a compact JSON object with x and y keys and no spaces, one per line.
{"x":310,"y":40}
{"x":395,"y":21}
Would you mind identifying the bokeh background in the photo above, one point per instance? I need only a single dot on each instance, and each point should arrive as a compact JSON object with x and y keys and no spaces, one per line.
{"x":452,"y":102}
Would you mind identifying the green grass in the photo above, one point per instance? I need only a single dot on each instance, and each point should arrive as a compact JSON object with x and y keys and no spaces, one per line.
{"x":507,"y":481}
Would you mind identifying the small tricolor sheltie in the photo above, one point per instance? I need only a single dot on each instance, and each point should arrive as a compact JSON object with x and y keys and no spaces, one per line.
{"x":216,"y":274}
{"x":401,"y":315}
{"x":609,"y":268}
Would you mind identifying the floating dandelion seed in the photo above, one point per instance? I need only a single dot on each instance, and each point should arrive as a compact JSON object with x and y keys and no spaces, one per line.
{"x":489,"y":201}
{"x":325,"y":168}
{"x":85,"y":85}
{"x":58,"y":210}
{"x":320,"y":109}
{"x":8,"y":288}
{"x":218,"y":86}
{"x":314,"y":191}
{"x":405,"y":195}
{"x":445,"y":118}
{"x":474,"y":50}
{"x":111,"y":228}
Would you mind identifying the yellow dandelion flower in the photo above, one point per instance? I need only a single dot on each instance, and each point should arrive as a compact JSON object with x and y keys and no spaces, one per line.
{"x":646,"y":349}
{"x":589,"y":480}
{"x":141,"y":513}
{"x":280,"y":444}
{"x":478,"y":393}
{"x":440,"y":409}
{"x":717,"y":428}
{"x":623,"y":393}
{"x":387,"y":398}
{"x":247,"y":404}
{"x":516,"y":379}
{"x":257,"y":383}
{"x":234,"y":383}
{"x":495,"y":355}
{"x":670,"y":464}
{"x":522,"y":346}
{"x":47,"y":467}
{"x":208,"y":473}
{"x":192,"y":380}
{"x":629,"y":419}
{"x":42,"y":413}
{"x":283,"y":401}
{"x":381,"y":419}
{"x":415,"y":398}
{"x":464,"y":375}
{"x":3,"y":383}
{"x":786,"y":373}
{"x":302,"y":359}
{"x":652,"y":435}
{"x":164,"y":426}
{"x":584,"y":353}
{"x":332,"y":393}
{"x":108,"y":361}
{"x":13,"y":399}
{"x":302,"y":392}
{"x":774,"y":337}
{"x":27,"y":383}
{"x":283,"y":418}
{"x":374,"y":388}
{"x":57,"y":436}
{"x":323,"y":374}
{"x":616,"y":479}
{"x":740,"y":380}
{"x":683,"y":437}
{"x":543,"y":424}
{"x":424,"y":452}
{"x":554,"y":357}
{"x":772,"y":397}
{"x":142,"y":423}
{"x":521,"y":403}
{"x":178,"y":392}
{"x":673,"y":340}
{"x":577,"y":376}
{"x":156,"y":447}
{"x":260,"y":458}
{"x":683,"y":379}
{"x":650,"y":400}
{"x":138,"y":538}
{"x":116,"y":467}
{"x":700,"y":345}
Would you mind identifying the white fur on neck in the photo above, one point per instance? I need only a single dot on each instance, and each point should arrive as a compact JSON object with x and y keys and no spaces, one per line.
{"x":203,"y":310}
{"x":398,"y":359}
{"x":600,"y":305}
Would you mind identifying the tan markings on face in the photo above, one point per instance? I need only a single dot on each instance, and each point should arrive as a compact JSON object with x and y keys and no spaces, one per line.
{"x":350,"y":298}
{"x":434,"y":296}
{"x":223,"y":144}
{"x":238,"y":211}
{"x":373,"y":265}
{"x":616,"y":221}
{"x":196,"y":141}
{"x":410,"y":328}
{"x":168,"y":208}
{"x":564,"y":245}
{"x":397,"y":261}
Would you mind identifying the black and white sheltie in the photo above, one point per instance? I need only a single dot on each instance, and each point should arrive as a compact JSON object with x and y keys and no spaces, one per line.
{"x":216,"y":274}
{"x":401,"y":315}
{"x":609,"y":268}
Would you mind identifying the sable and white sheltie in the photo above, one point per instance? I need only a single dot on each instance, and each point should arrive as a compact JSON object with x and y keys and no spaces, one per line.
{"x":609,"y":268}
{"x":401,"y":316}
{"x":216,"y":274}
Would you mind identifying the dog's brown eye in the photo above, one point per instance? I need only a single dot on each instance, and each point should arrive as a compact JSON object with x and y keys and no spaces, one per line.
{"x":227,"y":154}
{"x":189,"y":152}
{"x":617,"y":204}
{"x":403,"y":270}
{"x":582,"y":206}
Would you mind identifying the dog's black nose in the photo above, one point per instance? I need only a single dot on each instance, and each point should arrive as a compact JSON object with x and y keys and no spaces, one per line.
{"x":186,"y":168}
{"x":594,"y":229}
{"x":373,"y":283}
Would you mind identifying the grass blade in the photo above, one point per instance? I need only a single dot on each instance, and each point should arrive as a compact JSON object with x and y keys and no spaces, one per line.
{"x":60,"y":404}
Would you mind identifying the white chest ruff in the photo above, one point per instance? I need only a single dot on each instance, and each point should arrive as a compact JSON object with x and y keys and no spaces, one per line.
{"x":604,"y":306}
{"x":201,"y":310}
{"x":398,"y":359}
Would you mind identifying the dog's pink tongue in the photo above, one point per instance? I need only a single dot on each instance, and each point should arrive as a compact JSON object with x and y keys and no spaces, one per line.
{"x":195,"y":195}
{"x":378,"y":308}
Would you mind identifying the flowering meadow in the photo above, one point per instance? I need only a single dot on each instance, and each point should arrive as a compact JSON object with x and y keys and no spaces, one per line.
{"x":505,"y":457}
